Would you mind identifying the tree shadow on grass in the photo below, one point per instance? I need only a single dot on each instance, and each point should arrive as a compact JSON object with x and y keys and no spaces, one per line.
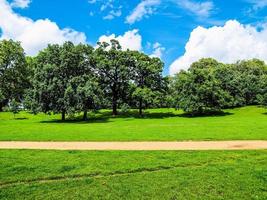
{"x":77,"y":120}
{"x":161,"y":115}
{"x":21,"y":118}
{"x":107,"y":117}
{"x":207,"y":114}
{"x":134,"y":114}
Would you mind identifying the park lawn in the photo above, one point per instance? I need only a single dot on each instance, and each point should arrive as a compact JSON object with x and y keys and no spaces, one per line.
{"x":41,"y":174}
{"x":247,"y":123}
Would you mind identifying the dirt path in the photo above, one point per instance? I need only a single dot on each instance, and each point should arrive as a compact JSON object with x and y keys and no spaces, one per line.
{"x":189,"y":145}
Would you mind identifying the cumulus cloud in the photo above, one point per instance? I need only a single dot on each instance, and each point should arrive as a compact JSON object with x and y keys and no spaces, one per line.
{"x":144,"y":8}
{"x":131,"y":40}
{"x":158,"y":50}
{"x":228,"y":44}
{"x":20,"y":3}
{"x":34,"y":35}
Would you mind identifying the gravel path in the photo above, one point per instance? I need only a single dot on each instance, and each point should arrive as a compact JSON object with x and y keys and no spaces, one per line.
{"x":188,"y":145}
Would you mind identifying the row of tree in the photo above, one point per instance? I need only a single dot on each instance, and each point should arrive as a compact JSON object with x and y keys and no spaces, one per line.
{"x":71,"y":79}
{"x":209,"y":86}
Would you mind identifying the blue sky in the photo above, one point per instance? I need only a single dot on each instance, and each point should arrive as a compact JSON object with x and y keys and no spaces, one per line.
{"x":163,"y":25}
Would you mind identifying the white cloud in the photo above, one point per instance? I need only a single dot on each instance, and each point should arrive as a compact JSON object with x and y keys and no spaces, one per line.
{"x":130,"y":40}
{"x":228,"y":44}
{"x":201,"y":9}
{"x":34,"y":35}
{"x":112,"y":14}
{"x":144,"y":8}
{"x":258,"y":4}
{"x":148,"y":7}
{"x":92,"y":1}
{"x":20,"y":3}
{"x":107,"y":4}
{"x":158,"y":50}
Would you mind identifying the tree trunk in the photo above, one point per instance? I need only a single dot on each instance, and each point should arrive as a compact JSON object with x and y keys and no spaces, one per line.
{"x":114,"y":105}
{"x":1,"y":107}
{"x":114,"y":108}
{"x":140,"y":107}
{"x":63,"y":115}
{"x":85,"y":118}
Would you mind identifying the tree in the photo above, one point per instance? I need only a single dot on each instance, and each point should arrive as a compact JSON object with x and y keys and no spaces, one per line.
{"x":14,"y":107}
{"x":250,"y":73}
{"x":56,"y":66}
{"x":147,"y":78}
{"x":13,"y":72}
{"x":83,"y":93}
{"x":205,"y":63}
{"x":262,"y":96}
{"x":112,"y":66}
{"x":198,"y":91}
{"x":230,"y":81}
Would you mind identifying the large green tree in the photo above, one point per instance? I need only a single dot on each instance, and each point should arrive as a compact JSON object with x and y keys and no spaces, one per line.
{"x":250,"y":72}
{"x":56,"y":66}
{"x":112,"y":65}
{"x":147,"y":78}
{"x":198,"y":91}
{"x":83,"y":93}
{"x":14,"y":73}
{"x":242,"y":81}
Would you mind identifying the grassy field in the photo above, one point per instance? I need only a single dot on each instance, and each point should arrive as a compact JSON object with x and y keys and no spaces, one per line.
{"x":40,"y":174}
{"x":27,"y":174}
{"x":159,"y":125}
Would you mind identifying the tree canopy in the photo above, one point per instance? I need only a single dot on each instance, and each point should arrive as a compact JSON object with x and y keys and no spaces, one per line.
{"x":14,"y":72}
{"x":210,"y":86}
{"x":72,"y":79}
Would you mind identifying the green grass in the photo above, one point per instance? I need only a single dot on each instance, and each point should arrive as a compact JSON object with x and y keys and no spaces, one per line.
{"x":159,"y":125}
{"x":28,"y":174}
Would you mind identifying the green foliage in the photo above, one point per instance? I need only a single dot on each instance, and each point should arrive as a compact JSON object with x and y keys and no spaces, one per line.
{"x":112,"y":65}
{"x":14,"y":107}
{"x":262,"y":96}
{"x":147,"y":79}
{"x":83,"y":93}
{"x":13,"y":72}
{"x":63,"y":79}
{"x":198,"y":91}
{"x":210,"y":86}
{"x":251,"y":72}
{"x":125,"y":108}
{"x":2,"y":97}
{"x":144,"y":96}
{"x":29,"y":101}
{"x":70,"y":79}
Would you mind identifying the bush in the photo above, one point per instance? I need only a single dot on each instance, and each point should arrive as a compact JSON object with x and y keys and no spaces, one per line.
{"x":125,"y":108}
{"x":14,"y":107}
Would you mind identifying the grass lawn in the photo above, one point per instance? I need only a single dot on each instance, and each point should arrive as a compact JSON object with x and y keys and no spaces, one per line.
{"x":159,"y":125}
{"x":28,"y":174}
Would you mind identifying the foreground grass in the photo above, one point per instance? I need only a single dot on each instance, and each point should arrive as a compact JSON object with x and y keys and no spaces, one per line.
{"x":158,"y":125}
{"x":27,"y":174}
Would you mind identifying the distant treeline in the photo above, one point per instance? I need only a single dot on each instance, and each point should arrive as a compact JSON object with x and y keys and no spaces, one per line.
{"x":209,"y":86}
{"x":70,"y":79}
